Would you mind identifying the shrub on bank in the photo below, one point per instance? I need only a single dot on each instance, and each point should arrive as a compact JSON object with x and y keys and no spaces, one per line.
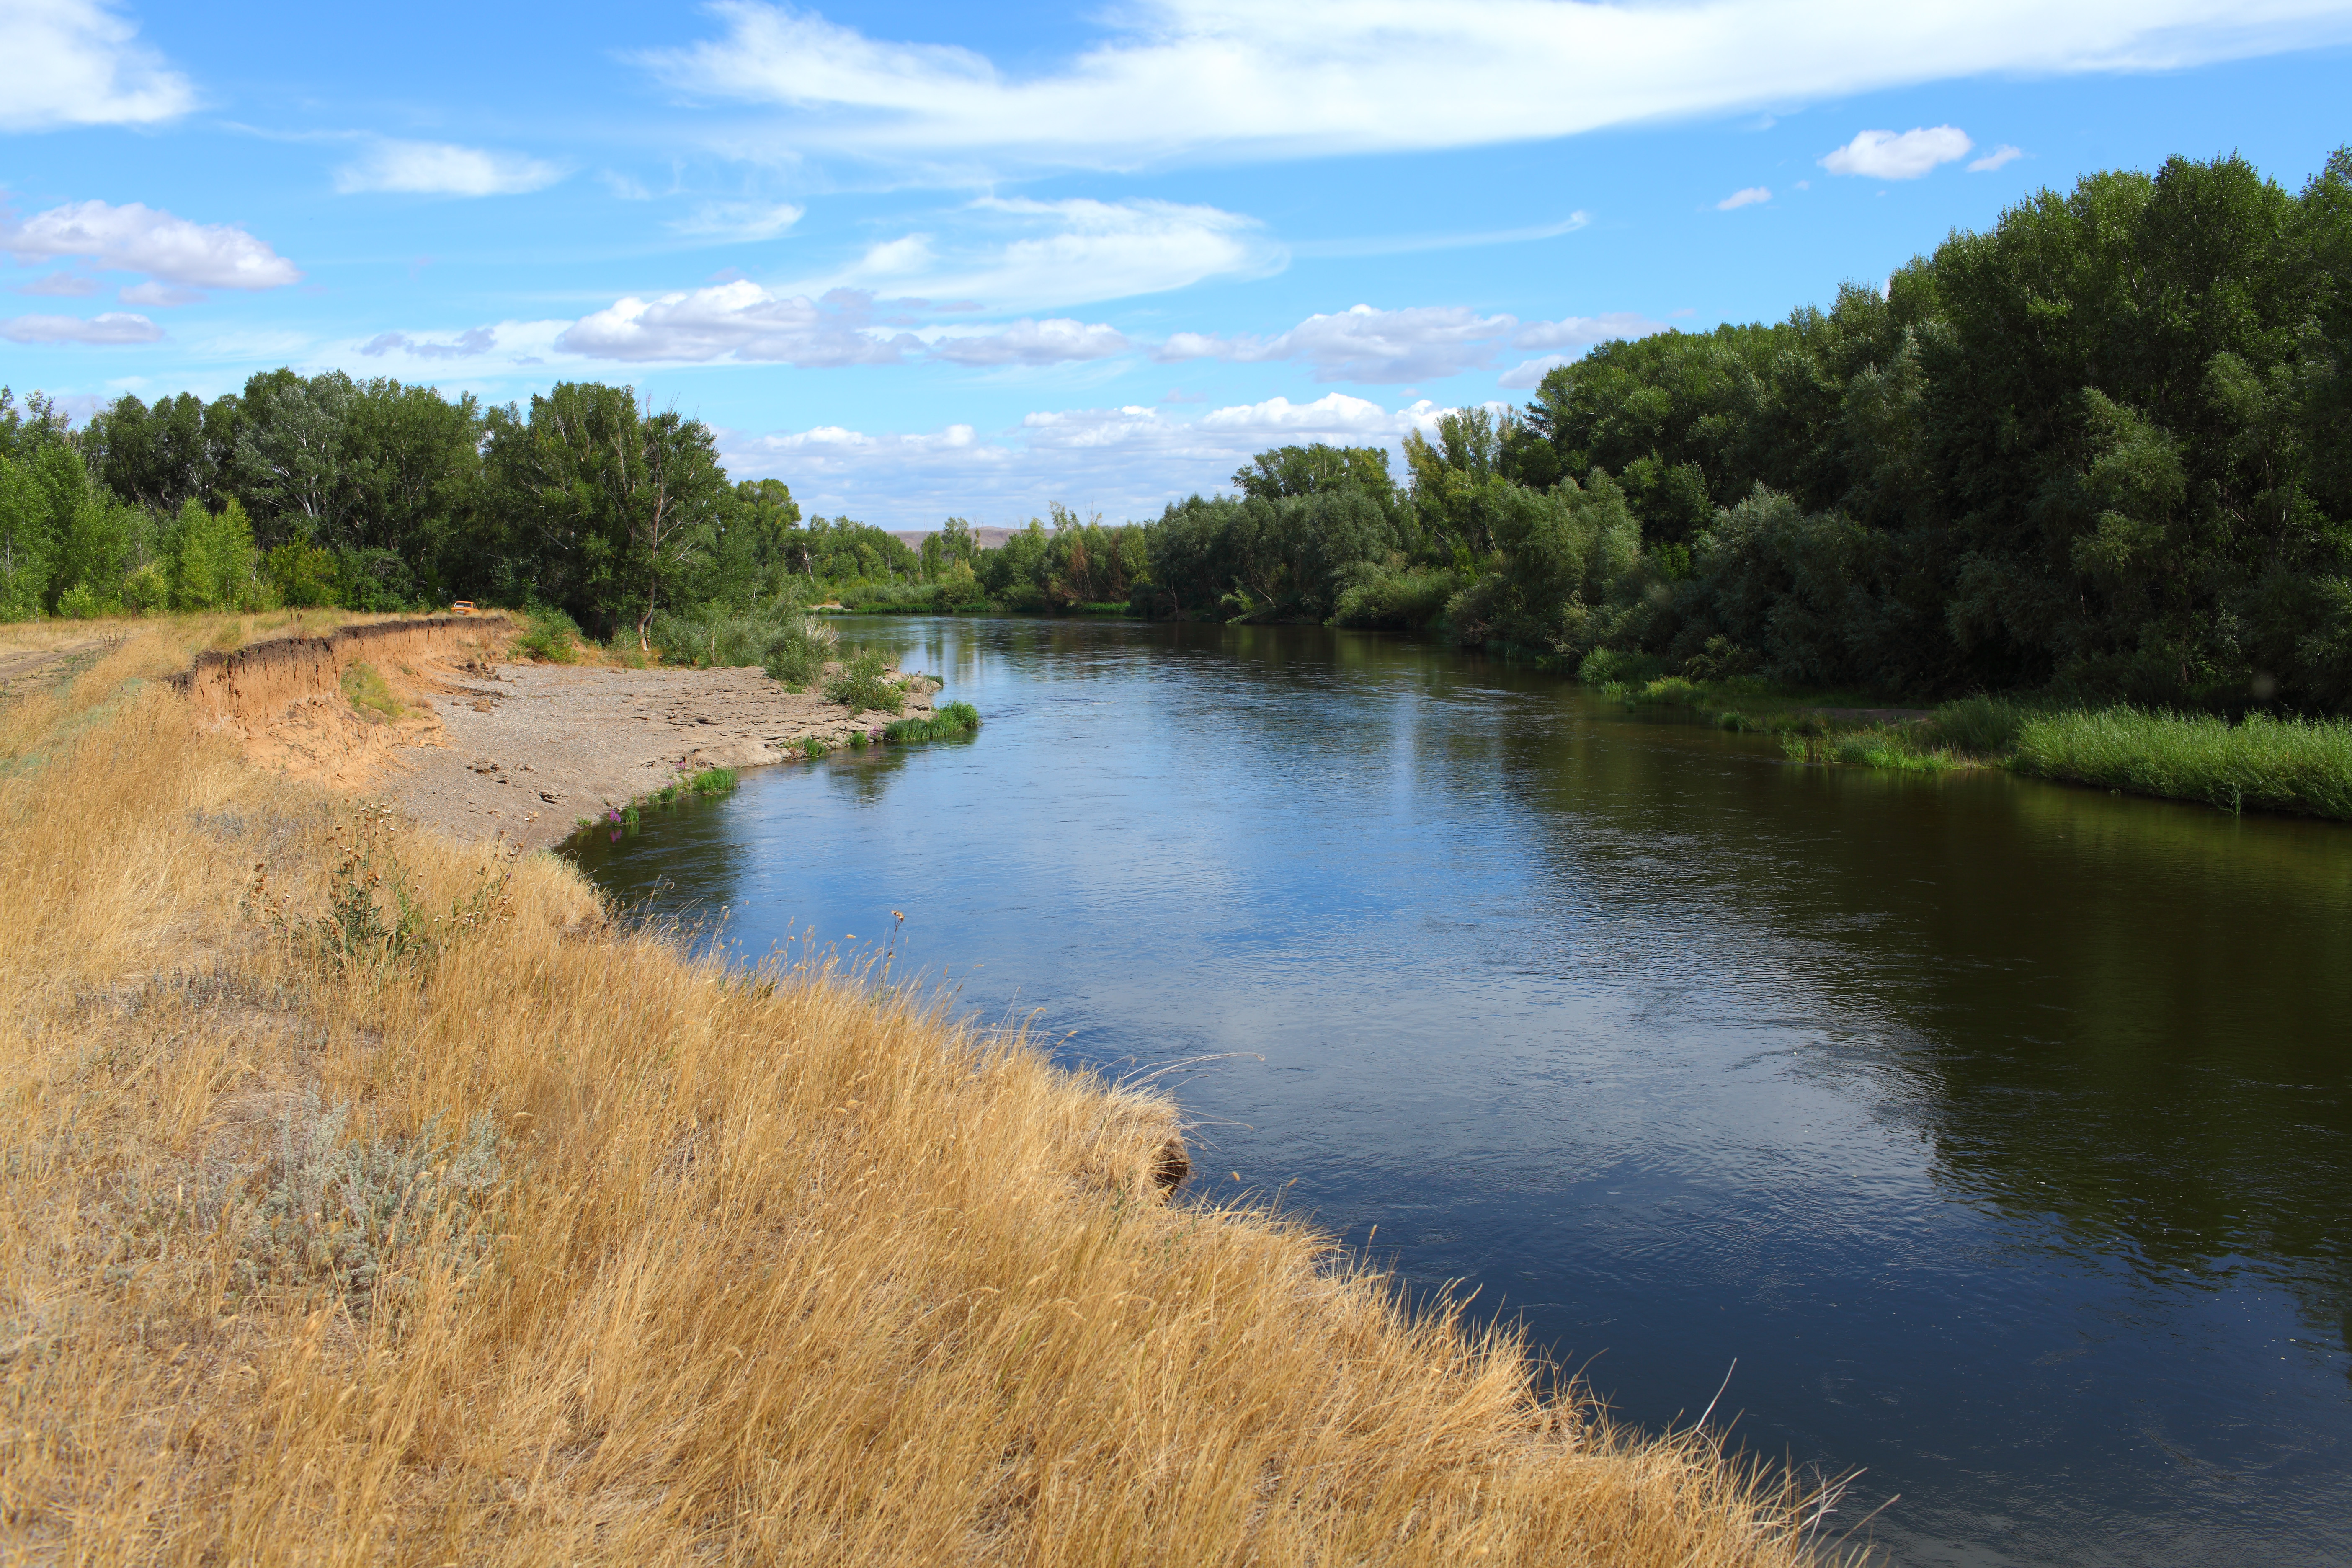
{"x":862,"y":684}
{"x":798,"y":652}
{"x":548,"y":636}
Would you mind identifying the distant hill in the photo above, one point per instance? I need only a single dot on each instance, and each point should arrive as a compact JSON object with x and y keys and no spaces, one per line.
{"x":990,"y":537}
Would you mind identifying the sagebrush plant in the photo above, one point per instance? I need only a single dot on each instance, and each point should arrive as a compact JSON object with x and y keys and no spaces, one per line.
{"x":664,"y":1261}
{"x":862,"y":684}
{"x":548,"y":636}
{"x":799,"y":651}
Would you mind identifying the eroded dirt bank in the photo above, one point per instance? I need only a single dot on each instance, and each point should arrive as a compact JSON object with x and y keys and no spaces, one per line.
{"x":478,"y":747}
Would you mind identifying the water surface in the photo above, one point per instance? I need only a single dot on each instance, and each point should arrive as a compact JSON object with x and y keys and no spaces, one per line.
{"x":2001,"y":1132}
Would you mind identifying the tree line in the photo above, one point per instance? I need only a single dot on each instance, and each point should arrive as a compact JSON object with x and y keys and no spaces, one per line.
{"x":2104,"y":448}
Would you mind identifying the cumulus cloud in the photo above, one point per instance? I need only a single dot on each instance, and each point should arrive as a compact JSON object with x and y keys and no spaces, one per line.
{"x":1746,"y":198}
{"x":1421,"y":343}
{"x":1055,"y":342}
{"x":137,"y":238}
{"x":466,"y":345}
{"x":1125,"y":461}
{"x":106,"y":327}
{"x":1884,"y":155}
{"x":1018,"y":254}
{"x":2004,"y":153}
{"x":76,"y":62}
{"x":1577,"y":333}
{"x":1206,"y":78}
{"x":742,"y":321}
{"x":443,"y":169}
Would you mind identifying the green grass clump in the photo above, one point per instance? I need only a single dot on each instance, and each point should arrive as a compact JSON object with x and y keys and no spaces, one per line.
{"x":1670,"y":691}
{"x":548,"y":636}
{"x":798,"y":652}
{"x":365,"y":685}
{"x":1607,"y":666}
{"x":2264,"y":764}
{"x":1983,"y":726}
{"x":712,"y":781}
{"x":951,"y":718}
{"x":862,"y":686}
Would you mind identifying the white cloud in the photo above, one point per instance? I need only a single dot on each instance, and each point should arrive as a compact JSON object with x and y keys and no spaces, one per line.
{"x":1364,"y":344}
{"x":137,"y":238}
{"x":1023,"y":255}
{"x":468,"y":343}
{"x":168,"y":295}
{"x":106,"y":327}
{"x":1884,"y":155}
{"x":739,"y":220}
{"x":740,"y":321}
{"x":75,"y":62}
{"x":1202,"y":79}
{"x":1421,"y":343}
{"x":1127,"y":462}
{"x":1055,"y":342}
{"x":2004,"y":153}
{"x":443,"y":169}
{"x":1743,"y":198}
{"x":60,"y":285}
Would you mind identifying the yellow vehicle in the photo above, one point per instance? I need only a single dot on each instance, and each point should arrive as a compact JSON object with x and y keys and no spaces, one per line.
{"x":463,"y":607}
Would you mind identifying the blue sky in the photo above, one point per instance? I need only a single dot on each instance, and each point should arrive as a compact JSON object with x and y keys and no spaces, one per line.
{"x":919,"y":260}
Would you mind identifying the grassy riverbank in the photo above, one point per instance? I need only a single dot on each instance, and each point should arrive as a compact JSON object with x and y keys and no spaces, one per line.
{"x":370,"y":1198}
{"x":2301,"y":767}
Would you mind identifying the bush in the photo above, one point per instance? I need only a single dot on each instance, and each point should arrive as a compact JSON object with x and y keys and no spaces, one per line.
{"x":1986,"y":726}
{"x":861,"y":685}
{"x":2270,"y":765}
{"x":303,"y":575}
{"x":714,"y":636}
{"x":371,"y":697}
{"x":1607,"y":666}
{"x":548,"y":636}
{"x":1410,"y":600}
{"x":799,"y":651}
{"x":81,"y":602}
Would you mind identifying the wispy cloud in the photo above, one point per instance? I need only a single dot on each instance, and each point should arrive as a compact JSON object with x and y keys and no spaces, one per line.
{"x":1749,"y":197}
{"x":60,"y":285}
{"x":138,"y":238}
{"x":1413,"y":244}
{"x":1885,"y":155}
{"x":108,"y":326}
{"x":77,"y":62}
{"x":738,"y":220}
{"x":1191,"y":80}
{"x":2004,"y":153}
{"x":1424,"y":342}
{"x":443,"y":169}
{"x":1018,"y":254}
{"x":1056,"y":341}
{"x":468,"y":344}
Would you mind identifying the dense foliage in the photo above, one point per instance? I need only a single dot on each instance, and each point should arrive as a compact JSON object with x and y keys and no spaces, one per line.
{"x":2105,"y":449}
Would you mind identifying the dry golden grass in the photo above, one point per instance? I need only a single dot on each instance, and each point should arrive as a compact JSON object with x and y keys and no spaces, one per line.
{"x":525,"y":1239}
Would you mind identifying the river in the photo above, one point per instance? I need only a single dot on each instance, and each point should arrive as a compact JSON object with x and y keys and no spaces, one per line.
{"x":2000,"y":1132}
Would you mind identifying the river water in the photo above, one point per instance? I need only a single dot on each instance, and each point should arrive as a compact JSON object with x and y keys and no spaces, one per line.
{"x":2000,"y":1132}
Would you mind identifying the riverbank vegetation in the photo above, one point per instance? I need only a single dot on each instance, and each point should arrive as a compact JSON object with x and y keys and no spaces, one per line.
{"x":2095,"y":455}
{"x":370,"y":1196}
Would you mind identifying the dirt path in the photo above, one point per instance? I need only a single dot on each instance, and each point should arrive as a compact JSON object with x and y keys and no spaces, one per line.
{"x":527,"y":750}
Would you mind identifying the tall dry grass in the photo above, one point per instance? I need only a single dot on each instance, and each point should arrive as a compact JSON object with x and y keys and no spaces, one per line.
{"x":468,"y":1226}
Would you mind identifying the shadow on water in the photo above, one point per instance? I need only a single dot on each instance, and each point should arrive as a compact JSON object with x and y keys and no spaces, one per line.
{"x":2002,"y":1132}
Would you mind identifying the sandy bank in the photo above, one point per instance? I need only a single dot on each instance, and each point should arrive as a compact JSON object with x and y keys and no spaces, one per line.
{"x":529,"y":749}
{"x":480,"y":747}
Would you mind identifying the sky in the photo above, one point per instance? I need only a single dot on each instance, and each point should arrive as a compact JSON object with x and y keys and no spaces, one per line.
{"x":922,"y":260}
